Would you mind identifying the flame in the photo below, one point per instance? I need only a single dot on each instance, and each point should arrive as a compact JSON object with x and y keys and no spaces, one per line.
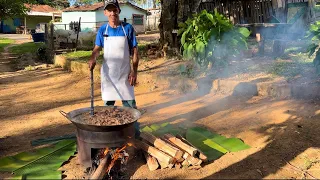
{"x":116,"y":155}
{"x":105,"y":152}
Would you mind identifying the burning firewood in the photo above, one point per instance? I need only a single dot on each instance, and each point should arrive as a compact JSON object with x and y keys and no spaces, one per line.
{"x":101,"y":170}
{"x":151,"y":162}
{"x":163,"y":146}
{"x":192,"y":151}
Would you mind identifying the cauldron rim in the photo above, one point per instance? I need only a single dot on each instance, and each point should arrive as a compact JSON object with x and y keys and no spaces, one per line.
{"x":70,"y":116}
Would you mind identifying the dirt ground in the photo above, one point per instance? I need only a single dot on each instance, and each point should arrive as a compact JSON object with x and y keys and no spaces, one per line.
{"x":283,"y":133}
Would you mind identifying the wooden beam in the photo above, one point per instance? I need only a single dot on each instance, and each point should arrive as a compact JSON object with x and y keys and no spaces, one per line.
{"x":25,"y":25}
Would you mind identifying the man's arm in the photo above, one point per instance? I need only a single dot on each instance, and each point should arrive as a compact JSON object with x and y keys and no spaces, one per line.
{"x":95,"y":54}
{"x":135,"y":64}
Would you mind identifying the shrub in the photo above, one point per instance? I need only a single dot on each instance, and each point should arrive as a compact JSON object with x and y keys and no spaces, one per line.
{"x":210,"y":37}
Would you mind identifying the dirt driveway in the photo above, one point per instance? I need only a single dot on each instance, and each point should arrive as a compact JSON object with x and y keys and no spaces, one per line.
{"x":283,"y":134}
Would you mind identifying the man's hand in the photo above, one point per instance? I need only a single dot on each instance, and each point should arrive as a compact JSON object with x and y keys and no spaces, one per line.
{"x":132,"y":78}
{"x":95,"y":53}
{"x":92,"y":63}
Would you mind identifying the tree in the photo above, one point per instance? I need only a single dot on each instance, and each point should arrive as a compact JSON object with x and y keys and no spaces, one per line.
{"x":9,"y":8}
{"x":174,"y":12}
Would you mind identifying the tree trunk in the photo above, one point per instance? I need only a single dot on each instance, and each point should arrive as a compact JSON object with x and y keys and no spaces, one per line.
{"x":172,"y":13}
{"x":168,"y":22}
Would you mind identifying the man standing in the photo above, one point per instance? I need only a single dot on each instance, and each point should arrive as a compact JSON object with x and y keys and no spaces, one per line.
{"x":119,"y":42}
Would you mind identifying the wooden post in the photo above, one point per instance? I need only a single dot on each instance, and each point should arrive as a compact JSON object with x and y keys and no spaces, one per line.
{"x":51,"y":47}
{"x":155,"y":22}
{"x":260,"y":40}
{"x":46,"y":34}
{"x":25,"y":25}
{"x":51,"y":36}
{"x":78,"y":33}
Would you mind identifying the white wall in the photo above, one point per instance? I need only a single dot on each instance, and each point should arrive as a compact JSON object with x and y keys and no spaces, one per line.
{"x":94,"y":19}
{"x":88,"y":19}
{"x":126,"y":12}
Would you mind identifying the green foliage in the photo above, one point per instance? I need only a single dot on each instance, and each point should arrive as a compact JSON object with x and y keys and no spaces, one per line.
{"x":213,"y":145}
{"x":5,"y":42}
{"x":161,"y":129}
{"x":43,"y":163}
{"x":314,"y":35}
{"x":10,"y":9}
{"x":211,"y":37}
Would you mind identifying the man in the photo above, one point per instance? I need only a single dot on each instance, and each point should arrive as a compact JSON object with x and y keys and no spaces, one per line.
{"x":119,"y":42}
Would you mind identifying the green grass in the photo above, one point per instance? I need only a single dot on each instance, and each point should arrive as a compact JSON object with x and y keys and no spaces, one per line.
{"x":5,"y":42}
{"x":24,"y":48}
{"x":82,"y":56}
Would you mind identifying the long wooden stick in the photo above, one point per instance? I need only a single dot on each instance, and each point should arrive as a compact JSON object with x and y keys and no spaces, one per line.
{"x":192,"y":151}
{"x":161,"y":156}
{"x":160,"y":144}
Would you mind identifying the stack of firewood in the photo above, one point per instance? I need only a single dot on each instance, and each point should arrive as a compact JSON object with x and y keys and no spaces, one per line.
{"x":169,"y":151}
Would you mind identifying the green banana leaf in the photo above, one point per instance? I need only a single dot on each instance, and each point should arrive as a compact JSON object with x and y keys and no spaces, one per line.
{"x":40,"y":175}
{"x":213,"y":145}
{"x":161,"y":129}
{"x":43,"y":162}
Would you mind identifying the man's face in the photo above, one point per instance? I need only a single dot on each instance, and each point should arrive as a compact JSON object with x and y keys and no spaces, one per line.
{"x":112,"y":12}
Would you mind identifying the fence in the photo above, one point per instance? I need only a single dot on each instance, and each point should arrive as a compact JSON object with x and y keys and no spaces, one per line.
{"x":150,"y":24}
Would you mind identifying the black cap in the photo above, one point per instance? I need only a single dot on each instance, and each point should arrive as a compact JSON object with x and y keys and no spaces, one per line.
{"x":111,"y":2}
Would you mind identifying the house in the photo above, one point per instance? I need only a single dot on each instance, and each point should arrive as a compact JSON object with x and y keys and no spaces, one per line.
{"x":37,"y":14}
{"x":153,"y":19}
{"x":92,"y":16}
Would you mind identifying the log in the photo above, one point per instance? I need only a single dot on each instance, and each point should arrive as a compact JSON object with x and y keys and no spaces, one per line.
{"x":199,"y":154}
{"x":163,"y":146}
{"x":192,"y":151}
{"x":163,"y":165}
{"x":185,"y":163}
{"x":101,"y":170}
{"x":177,"y":165}
{"x":161,"y":156}
{"x":151,"y":162}
{"x":192,"y":160}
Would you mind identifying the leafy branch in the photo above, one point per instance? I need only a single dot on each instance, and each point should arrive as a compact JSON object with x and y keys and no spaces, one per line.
{"x":209,"y":37}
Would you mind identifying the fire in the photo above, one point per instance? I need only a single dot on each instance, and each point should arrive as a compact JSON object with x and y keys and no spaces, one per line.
{"x":105,"y":152}
{"x":116,"y":155}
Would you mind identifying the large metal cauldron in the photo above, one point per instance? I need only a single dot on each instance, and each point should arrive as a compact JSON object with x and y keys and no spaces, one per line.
{"x":95,"y":137}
